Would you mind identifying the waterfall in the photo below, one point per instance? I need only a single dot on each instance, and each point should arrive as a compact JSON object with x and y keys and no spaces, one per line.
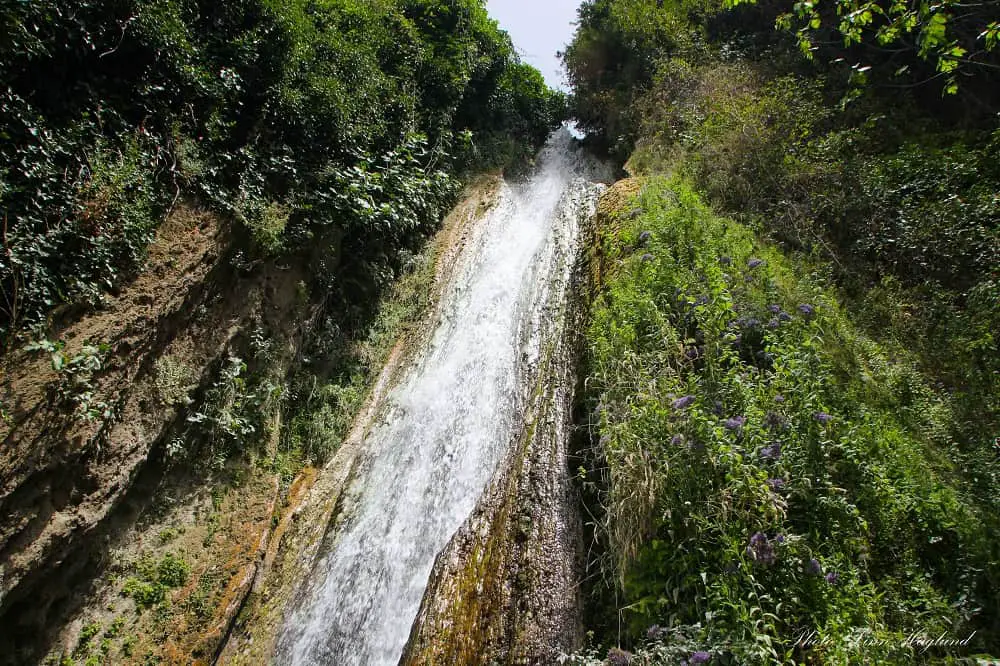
{"x":446,"y":426}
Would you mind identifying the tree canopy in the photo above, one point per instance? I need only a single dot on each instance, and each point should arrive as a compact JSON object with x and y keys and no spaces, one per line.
{"x":342,"y":113}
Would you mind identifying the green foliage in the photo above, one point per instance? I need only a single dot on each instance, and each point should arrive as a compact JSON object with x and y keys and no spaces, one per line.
{"x":316,"y":433}
{"x":306,"y":121}
{"x":116,"y":627}
{"x":266,"y":223}
{"x":87,"y":634}
{"x":174,"y":380}
{"x":935,"y":212}
{"x":235,"y":407}
{"x":768,"y":470}
{"x":146,"y":594}
{"x":76,"y":210}
{"x":894,"y":494}
{"x":172,"y":571}
{"x":612,"y":59}
{"x":955,"y":38}
{"x":154,"y":580}
{"x":855,"y":48}
{"x":324,"y":410}
{"x":742,"y":136}
{"x":909,"y":222}
{"x":75,"y":388}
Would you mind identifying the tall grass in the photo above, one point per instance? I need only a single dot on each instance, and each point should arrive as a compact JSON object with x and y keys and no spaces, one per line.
{"x":775,"y":485}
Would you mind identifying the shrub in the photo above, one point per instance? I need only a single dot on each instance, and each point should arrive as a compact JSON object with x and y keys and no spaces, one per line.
{"x":149,"y":588}
{"x":145,"y":594}
{"x":172,"y":571}
{"x":769,"y":470}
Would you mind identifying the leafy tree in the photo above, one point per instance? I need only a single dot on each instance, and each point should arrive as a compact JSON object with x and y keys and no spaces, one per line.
{"x":340,"y":114}
{"x":956,"y":38}
{"x":612,"y":59}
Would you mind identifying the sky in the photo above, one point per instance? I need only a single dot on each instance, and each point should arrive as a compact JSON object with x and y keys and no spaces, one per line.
{"x":539,"y":28}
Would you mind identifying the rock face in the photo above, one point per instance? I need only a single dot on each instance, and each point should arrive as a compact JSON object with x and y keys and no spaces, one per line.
{"x":84,"y":479}
{"x":61,"y":475}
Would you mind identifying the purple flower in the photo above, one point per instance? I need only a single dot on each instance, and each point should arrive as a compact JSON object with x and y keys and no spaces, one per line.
{"x":681,"y":403}
{"x":784,"y":316}
{"x":754,"y":263}
{"x":677,"y":440}
{"x":773,"y":323}
{"x":822,"y":417}
{"x":700,"y":657}
{"x":779,"y":398}
{"x":646,"y":257}
{"x":693,"y":353}
{"x":775,"y":484}
{"x":735,"y":422}
{"x":779,"y":539}
{"x":717,"y":408}
{"x":725,"y":261}
{"x":751,"y":322}
{"x":814,"y":568}
{"x":619,"y":657}
{"x":644,"y":237}
{"x":760,"y":549}
{"x":774,"y":421}
{"x":774,"y":308}
{"x":771,"y":452}
{"x":807,"y":310}
{"x":832,"y":577}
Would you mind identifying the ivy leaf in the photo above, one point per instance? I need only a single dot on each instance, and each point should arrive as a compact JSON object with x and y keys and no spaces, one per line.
{"x":991,"y":34}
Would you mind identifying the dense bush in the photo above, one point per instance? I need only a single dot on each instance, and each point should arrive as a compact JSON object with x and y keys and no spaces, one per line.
{"x":308,"y":121}
{"x":764,"y":469}
{"x":943,"y":58}
{"x":885,"y":198}
{"x":913,"y":216}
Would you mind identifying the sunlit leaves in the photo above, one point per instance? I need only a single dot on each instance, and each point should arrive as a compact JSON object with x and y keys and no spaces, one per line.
{"x":937,"y":32}
{"x":991,"y":35}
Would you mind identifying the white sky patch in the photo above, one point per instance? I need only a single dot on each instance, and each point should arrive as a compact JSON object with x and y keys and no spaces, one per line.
{"x":539,"y":29}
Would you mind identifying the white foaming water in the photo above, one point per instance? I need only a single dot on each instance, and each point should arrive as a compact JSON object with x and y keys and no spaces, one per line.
{"x":448,"y":423}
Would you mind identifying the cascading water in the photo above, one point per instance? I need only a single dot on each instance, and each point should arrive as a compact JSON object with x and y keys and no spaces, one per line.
{"x":449,"y":422}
